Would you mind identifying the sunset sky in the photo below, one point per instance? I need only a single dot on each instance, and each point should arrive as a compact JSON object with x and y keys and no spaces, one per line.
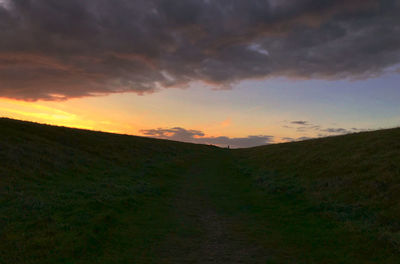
{"x":223,"y":72}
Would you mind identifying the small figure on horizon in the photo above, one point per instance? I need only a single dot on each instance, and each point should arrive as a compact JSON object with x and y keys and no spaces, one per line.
{"x":229,"y":147}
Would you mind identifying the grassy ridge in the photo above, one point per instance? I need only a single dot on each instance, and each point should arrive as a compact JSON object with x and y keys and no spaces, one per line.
{"x":69,"y":195}
{"x":78,"y":196}
{"x":354,"y":179}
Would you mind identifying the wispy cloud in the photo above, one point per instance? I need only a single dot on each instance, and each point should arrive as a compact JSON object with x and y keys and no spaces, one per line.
{"x":304,"y":123}
{"x":303,"y":126}
{"x":336,"y":130}
{"x":196,"y":136}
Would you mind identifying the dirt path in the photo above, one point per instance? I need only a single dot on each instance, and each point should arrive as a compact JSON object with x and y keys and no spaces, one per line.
{"x":206,"y":234}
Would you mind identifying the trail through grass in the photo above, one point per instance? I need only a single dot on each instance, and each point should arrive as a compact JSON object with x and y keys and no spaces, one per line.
{"x":223,"y":216}
{"x":75,"y":196}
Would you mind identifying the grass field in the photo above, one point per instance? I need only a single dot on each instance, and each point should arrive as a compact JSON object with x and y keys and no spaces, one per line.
{"x":77,"y":196}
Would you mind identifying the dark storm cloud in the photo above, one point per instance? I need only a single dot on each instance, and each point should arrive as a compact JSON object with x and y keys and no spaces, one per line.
{"x":195,"y":136}
{"x":58,"y":49}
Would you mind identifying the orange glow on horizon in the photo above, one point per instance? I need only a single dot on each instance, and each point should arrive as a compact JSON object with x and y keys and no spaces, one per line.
{"x":42,"y":113}
{"x":130,"y":114}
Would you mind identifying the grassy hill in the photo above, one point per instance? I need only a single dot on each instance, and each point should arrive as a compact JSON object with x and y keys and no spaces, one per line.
{"x":352,"y":180}
{"x":78,"y":196}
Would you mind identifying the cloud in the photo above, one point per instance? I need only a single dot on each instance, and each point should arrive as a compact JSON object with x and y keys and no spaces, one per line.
{"x":306,"y":126}
{"x":196,"y":136}
{"x":59,"y":49}
{"x":336,"y":130}
{"x":288,"y":139}
{"x":303,"y":126}
{"x":303,"y":138}
{"x":176,"y":133}
{"x":304,"y":123}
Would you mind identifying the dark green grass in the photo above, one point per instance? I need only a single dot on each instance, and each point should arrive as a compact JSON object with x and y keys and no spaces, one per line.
{"x":77,"y":196}
{"x":354,"y":179}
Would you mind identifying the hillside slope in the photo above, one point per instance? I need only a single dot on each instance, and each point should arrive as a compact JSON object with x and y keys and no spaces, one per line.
{"x":67,"y":194}
{"x":78,"y":196}
{"x":354,"y":179}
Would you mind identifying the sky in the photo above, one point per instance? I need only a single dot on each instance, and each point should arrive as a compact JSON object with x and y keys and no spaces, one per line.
{"x":223,"y":72}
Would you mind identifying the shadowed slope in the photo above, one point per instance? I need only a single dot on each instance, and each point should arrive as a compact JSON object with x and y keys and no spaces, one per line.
{"x":354,"y":179}
{"x":78,"y":196}
{"x":69,"y":195}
